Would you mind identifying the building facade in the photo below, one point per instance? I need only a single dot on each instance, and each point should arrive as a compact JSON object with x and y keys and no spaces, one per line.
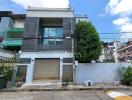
{"x":11,"y":30}
{"x":109,"y":52}
{"x":125,"y":52}
{"x":47,"y":47}
{"x":43,"y":37}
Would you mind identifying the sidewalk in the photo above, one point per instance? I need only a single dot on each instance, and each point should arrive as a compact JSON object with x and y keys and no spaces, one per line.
{"x":67,"y":88}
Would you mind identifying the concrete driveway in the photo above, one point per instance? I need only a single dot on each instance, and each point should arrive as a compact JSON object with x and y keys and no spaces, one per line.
{"x":57,"y":95}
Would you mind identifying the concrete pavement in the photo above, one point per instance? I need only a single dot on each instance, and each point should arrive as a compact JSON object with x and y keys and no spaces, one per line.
{"x":119,"y":95}
{"x":55,"y":95}
{"x":125,"y":92}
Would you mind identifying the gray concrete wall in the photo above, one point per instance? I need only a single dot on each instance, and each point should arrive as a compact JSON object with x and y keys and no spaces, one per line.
{"x":30,"y":31}
{"x":99,"y":72}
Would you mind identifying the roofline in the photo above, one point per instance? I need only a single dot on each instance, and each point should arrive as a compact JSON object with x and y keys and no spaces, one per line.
{"x":18,"y":16}
{"x":5,"y":13}
{"x":49,"y":9}
{"x":10,"y":14}
{"x":81,"y":16}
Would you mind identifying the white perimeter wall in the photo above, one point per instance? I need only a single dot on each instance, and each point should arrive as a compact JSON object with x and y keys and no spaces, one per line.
{"x":50,"y":14}
{"x":4,"y":55}
{"x":99,"y":72}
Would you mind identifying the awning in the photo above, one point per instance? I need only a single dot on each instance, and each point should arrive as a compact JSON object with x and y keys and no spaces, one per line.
{"x":12,"y":42}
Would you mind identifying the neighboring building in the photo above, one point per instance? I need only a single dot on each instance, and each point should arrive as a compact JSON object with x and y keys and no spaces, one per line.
{"x":109,"y":52}
{"x":11,"y":29}
{"x":125,"y":52}
{"x":81,"y":18}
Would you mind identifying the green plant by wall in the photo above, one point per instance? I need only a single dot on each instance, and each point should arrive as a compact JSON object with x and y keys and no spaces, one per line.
{"x":127,"y":76}
{"x":88,"y":46}
{"x":6,"y":69}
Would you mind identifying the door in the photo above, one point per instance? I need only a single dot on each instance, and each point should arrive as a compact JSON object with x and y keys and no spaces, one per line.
{"x":47,"y":69}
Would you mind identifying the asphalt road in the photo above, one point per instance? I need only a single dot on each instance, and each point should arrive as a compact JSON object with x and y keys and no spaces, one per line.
{"x":59,"y":95}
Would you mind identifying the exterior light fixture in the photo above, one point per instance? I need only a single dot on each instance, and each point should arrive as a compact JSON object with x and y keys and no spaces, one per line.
{"x":20,"y":51}
{"x":68,"y":37}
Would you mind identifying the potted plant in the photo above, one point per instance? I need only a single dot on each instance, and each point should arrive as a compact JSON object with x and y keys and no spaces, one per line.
{"x":65,"y":80}
{"x":19,"y":81}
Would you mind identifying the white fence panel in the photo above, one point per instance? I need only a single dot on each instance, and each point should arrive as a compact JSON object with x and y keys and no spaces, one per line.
{"x":99,"y":72}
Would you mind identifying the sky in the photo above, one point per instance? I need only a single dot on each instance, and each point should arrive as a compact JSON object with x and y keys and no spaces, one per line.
{"x":108,"y":16}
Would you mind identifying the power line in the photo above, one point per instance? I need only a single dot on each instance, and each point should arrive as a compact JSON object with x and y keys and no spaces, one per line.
{"x":114,"y":32}
{"x":74,"y":37}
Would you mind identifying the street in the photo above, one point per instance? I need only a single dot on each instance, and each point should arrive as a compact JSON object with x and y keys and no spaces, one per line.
{"x":56,"y":95}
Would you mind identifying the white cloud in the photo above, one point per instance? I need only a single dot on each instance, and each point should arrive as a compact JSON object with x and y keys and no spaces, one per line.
{"x":126,"y":27}
{"x":126,"y":36}
{"x":116,"y":7}
{"x":43,"y":3}
{"x":112,"y":4}
{"x":122,"y":21}
{"x":123,"y":9}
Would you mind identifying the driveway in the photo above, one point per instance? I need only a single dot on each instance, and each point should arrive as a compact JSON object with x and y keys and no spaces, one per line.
{"x":57,"y":95}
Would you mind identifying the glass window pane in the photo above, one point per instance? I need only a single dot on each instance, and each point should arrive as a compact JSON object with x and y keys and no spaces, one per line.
{"x":59,"y":32}
{"x":45,"y":41}
{"x":46,"y":32}
{"x":51,"y":42}
{"x":58,"y":42}
{"x":53,"y":32}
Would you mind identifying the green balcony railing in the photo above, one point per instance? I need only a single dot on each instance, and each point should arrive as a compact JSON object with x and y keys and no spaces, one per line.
{"x":15,"y":30}
{"x":14,"y":33}
{"x":12,"y":42}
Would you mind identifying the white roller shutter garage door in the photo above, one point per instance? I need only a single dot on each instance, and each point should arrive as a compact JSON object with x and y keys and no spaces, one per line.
{"x":47,"y":69}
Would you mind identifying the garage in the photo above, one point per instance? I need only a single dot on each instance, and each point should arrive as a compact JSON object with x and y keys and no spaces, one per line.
{"x":47,"y":69}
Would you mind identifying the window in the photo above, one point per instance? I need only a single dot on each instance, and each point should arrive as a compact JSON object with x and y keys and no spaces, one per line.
{"x":53,"y":32}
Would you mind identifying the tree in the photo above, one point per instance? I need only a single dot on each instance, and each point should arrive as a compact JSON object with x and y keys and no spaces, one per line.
{"x":127,"y":76}
{"x":88,"y":46}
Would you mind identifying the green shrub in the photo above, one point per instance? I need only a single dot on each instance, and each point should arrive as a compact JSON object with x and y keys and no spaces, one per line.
{"x":127,"y":76}
{"x":9,"y":74}
{"x":65,"y":80}
{"x":6,"y":71}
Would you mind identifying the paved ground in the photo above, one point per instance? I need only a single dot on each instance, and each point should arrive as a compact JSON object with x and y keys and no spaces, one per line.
{"x":120,"y":94}
{"x":56,"y":95}
{"x":126,"y":92}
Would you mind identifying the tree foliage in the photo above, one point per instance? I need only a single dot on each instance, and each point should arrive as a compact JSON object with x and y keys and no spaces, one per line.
{"x":127,"y":76}
{"x":88,"y":46}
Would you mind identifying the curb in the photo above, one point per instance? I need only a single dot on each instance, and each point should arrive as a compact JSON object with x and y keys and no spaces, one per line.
{"x":61,"y":89}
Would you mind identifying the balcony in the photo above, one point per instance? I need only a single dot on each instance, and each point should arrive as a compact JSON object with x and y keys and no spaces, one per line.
{"x":13,"y":37}
{"x":15,"y":30}
{"x":50,"y":45}
{"x":12,"y":42}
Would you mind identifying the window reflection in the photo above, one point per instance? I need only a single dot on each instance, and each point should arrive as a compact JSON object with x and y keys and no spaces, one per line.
{"x":53,"y":32}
